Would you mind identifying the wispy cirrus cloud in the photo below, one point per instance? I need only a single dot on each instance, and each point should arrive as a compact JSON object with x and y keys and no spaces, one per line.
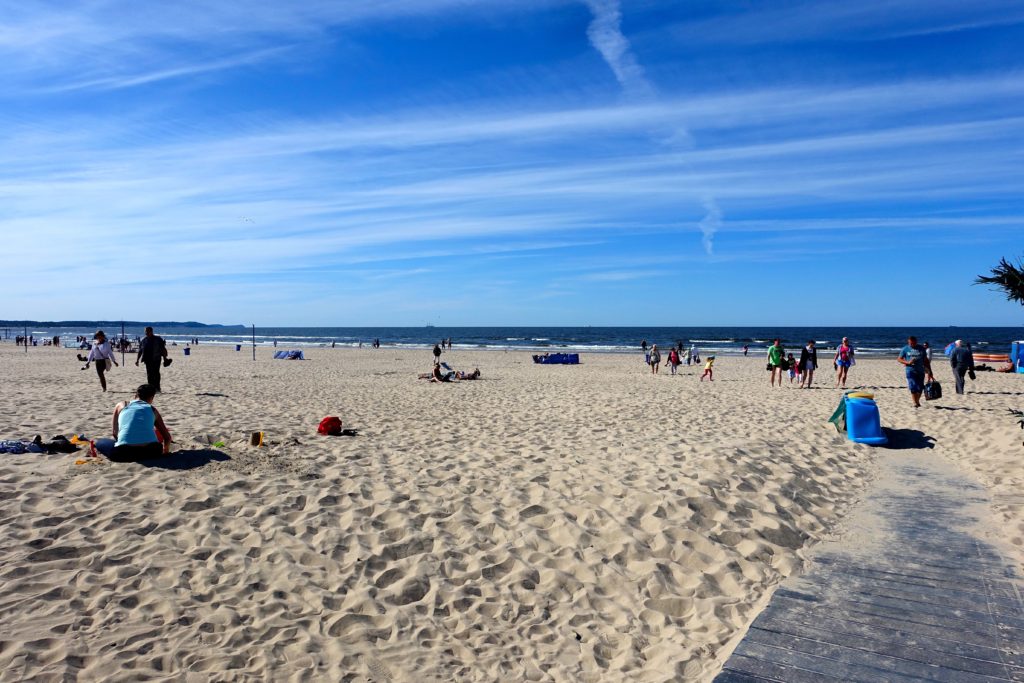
{"x":834,"y":20}
{"x":304,"y":205}
{"x":116,"y":44}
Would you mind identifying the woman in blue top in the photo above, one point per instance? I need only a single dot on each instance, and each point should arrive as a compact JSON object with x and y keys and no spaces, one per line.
{"x":915,"y":359}
{"x":137,"y":425}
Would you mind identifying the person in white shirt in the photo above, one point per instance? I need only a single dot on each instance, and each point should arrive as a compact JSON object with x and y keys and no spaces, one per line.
{"x":101,"y":353}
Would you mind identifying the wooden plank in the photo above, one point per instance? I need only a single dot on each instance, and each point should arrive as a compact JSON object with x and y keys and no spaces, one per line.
{"x":762,"y":669}
{"x":830,"y":669}
{"x":898,"y":600}
{"x":848,"y":654}
{"x":971,"y":579}
{"x":892,"y":644}
{"x":831,"y":585}
{"x":732,"y":676}
{"x":848,"y":613}
{"x":917,"y":592}
{"x":944,"y":641}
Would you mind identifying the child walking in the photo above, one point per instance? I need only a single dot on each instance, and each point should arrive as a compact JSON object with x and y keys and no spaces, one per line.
{"x":708,"y":369}
{"x":673,"y":360}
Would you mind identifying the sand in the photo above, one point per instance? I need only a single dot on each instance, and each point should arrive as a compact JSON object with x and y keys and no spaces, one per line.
{"x":548,"y":523}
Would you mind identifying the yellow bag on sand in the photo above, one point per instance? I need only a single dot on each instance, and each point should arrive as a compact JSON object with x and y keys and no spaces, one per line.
{"x":861,"y":394}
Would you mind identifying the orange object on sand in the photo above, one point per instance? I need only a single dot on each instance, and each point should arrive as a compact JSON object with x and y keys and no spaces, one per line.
{"x":991,"y":358}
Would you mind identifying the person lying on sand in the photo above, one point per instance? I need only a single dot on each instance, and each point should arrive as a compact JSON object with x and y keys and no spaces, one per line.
{"x":139,"y":429}
{"x":438,"y":376}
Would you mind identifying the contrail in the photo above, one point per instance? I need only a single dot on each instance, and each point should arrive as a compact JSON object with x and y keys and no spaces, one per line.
{"x":605,"y":34}
{"x":710,"y":224}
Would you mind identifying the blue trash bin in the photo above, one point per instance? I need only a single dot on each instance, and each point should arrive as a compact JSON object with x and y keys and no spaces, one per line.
{"x":188,"y":351}
{"x":863,"y":423}
{"x":238,"y":347}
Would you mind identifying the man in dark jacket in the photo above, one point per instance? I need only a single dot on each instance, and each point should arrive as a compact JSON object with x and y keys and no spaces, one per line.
{"x":152,"y":352}
{"x":962,"y":362}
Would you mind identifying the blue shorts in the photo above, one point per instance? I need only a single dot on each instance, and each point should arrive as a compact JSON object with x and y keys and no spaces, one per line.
{"x":843,"y":363}
{"x":915,"y":381}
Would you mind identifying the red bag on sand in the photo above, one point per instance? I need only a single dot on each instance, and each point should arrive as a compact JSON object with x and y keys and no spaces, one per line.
{"x":330,"y":426}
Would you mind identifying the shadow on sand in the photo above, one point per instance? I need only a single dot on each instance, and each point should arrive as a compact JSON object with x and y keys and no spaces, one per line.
{"x":187,"y":459}
{"x":901,"y":439}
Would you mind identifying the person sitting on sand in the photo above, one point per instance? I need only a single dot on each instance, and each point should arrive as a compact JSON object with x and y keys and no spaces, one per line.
{"x":139,"y":428}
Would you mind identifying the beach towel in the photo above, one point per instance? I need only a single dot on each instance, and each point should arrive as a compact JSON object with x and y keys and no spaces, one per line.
{"x":14,"y":447}
{"x":289,"y":355}
{"x":558,"y":359}
{"x":839,"y":417}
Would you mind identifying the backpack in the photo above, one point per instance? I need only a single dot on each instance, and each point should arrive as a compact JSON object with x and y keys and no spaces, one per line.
{"x":330,"y":426}
{"x":932,"y":391}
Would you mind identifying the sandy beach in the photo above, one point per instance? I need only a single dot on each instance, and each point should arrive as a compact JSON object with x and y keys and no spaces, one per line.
{"x":545,"y":523}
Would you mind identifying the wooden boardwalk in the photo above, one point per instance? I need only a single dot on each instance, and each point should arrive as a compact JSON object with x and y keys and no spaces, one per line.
{"x":913,"y":593}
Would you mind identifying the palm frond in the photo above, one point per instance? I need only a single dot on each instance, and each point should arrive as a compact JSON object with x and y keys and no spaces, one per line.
{"x":1006,"y":277}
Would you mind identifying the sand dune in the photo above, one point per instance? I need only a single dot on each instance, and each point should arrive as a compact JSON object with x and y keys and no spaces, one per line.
{"x":587,"y":523}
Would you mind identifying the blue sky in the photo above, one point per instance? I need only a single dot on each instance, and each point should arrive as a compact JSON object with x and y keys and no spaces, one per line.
{"x":453,"y":162}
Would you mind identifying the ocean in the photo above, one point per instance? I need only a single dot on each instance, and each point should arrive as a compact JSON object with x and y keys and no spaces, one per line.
{"x":722,"y":340}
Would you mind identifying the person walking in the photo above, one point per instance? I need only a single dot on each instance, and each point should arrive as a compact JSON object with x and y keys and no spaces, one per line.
{"x":914,"y":358}
{"x":709,"y":370}
{"x":152,"y":352}
{"x":437,"y":354}
{"x":745,"y":349}
{"x":101,"y":354}
{"x":808,"y":363}
{"x":962,"y":362}
{"x":776,"y":354}
{"x":843,"y":360}
{"x":673,"y":360}
{"x":655,"y":359}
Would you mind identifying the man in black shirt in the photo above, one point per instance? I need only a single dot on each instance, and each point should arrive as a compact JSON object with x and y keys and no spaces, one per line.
{"x":152,"y":351}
